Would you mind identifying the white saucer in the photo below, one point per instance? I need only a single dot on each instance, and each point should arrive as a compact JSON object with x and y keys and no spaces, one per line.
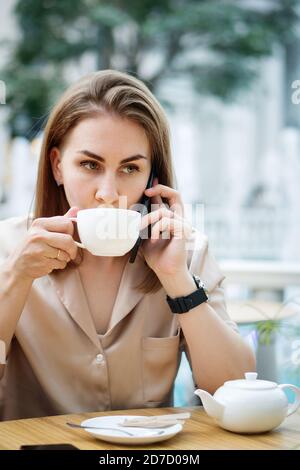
{"x":141,"y":435}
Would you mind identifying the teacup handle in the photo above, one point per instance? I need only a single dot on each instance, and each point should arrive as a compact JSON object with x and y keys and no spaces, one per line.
{"x":293,"y":406}
{"x":77,"y":243}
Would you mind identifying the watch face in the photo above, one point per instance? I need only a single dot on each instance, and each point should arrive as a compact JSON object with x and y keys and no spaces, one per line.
{"x":200,"y":282}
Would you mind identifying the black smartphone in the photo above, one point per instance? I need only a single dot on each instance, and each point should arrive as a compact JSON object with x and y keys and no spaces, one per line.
{"x":49,"y":447}
{"x":145,"y":202}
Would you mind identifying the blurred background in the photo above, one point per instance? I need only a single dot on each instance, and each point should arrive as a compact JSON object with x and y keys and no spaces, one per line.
{"x":228,"y":76}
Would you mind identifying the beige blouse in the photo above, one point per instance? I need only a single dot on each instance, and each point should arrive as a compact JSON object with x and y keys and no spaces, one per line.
{"x":58,"y":364}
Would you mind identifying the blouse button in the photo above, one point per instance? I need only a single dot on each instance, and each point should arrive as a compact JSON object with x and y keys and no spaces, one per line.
{"x":99,"y":358}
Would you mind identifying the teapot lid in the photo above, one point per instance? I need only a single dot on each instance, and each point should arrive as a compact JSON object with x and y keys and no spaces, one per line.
{"x":251,"y":383}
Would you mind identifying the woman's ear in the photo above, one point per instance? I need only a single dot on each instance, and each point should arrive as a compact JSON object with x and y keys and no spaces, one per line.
{"x":55,"y":159}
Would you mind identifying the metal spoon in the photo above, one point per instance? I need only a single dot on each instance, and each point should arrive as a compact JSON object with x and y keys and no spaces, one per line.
{"x":73,"y":425}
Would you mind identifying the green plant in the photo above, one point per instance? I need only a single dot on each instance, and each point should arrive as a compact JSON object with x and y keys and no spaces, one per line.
{"x":266,"y":329}
{"x":273,"y":325}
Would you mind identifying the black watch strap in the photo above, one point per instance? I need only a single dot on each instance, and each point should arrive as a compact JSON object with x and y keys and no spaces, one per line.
{"x":184,"y":304}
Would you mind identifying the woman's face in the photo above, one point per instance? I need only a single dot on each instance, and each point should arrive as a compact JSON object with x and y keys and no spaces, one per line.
{"x":104,"y":162}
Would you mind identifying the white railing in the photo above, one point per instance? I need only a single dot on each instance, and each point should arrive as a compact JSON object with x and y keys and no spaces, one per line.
{"x":246,"y":233}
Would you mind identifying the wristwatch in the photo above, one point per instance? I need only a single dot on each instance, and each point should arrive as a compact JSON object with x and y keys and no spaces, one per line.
{"x":184,"y":304}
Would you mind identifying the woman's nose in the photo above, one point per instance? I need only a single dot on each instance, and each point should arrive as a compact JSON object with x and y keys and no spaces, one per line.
{"x":107,"y":191}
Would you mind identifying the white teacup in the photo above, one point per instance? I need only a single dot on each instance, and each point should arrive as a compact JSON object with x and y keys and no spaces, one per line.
{"x":108,"y":231}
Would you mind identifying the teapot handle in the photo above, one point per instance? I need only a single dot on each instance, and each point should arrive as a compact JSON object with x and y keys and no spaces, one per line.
{"x":293,"y":406}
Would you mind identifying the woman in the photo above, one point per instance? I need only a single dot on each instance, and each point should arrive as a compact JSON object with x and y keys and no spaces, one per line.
{"x":87,"y":333}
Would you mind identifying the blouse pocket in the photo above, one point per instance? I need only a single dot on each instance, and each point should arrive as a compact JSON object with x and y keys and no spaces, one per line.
{"x":160,"y":359}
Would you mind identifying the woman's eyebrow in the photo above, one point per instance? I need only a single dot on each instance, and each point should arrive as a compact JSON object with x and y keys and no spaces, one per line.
{"x":88,"y":153}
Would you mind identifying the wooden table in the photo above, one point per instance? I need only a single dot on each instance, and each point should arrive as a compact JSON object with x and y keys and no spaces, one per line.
{"x":198,"y":433}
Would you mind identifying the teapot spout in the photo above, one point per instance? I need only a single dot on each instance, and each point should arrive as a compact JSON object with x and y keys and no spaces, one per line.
{"x":212,"y":407}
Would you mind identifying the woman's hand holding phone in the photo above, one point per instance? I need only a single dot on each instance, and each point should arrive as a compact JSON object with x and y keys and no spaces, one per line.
{"x":165,"y":251}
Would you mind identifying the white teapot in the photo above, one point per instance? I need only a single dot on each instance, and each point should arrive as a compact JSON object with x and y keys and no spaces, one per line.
{"x":249,"y":405}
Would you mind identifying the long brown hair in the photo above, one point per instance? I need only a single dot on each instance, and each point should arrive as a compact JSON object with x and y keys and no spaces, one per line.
{"x":114,"y":92}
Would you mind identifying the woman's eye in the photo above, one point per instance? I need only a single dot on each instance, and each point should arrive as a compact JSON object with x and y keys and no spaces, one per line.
{"x":89,"y":164}
{"x":130,"y":169}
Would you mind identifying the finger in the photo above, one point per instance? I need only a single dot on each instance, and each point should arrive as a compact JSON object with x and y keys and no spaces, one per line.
{"x":157,"y":202}
{"x":154,"y":216}
{"x":166,"y":227}
{"x":72,"y":212}
{"x":164,"y":191}
{"x":56,"y":264}
{"x":58,"y":223}
{"x":59,"y":241}
{"x":57,"y":253}
{"x":171,"y":194}
{"x":159,"y":232}
{"x":162,"y":229}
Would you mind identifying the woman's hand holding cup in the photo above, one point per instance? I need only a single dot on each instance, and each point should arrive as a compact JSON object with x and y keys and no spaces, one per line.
{"x":48,"y":245}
